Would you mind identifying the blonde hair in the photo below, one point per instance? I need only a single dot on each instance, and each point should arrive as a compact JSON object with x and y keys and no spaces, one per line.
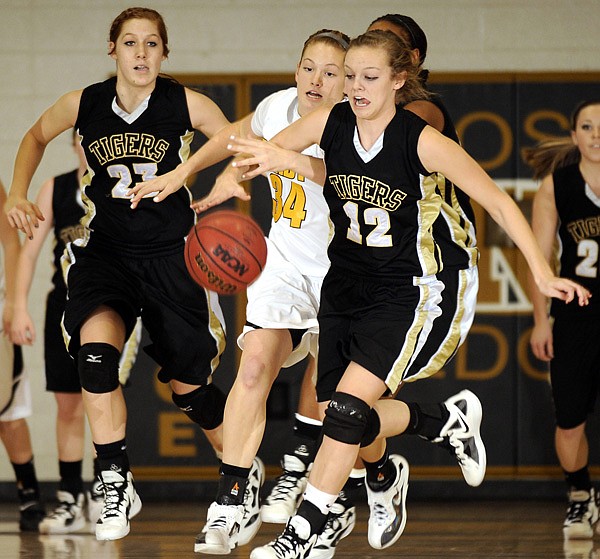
{"x":329,"y":37}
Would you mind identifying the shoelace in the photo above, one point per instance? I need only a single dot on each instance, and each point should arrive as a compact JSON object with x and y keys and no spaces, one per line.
{"x":96,"y":493}
{"x":577,"y":510}
{"x":113,"y":497}
{"x":332,"y":526}
{"x":287,"y":542}
{"x":63,"y":510}
{"x":219,"y":522}
{"x":285,"y":483}
{"x":454,"y":446}
{"x":380,"y":514}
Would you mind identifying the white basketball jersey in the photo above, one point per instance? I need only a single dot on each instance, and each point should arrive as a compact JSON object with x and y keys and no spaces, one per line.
{"x":299,"y":222}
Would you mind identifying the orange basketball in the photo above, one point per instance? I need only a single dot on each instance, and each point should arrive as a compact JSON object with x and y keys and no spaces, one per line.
{"x":225,"y":251}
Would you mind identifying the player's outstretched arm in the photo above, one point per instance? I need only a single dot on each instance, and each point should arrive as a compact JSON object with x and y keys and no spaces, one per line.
{"x":227,"y":185}
{"x":438,"y":153}
{"x":214,"y":126}
{"x":269,"y":157}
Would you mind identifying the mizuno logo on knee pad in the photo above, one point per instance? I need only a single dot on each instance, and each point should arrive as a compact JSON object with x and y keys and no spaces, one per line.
{"x":94,"y":358}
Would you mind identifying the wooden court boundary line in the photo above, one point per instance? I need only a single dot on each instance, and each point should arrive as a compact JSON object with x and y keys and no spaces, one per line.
{"x":210,"y":473}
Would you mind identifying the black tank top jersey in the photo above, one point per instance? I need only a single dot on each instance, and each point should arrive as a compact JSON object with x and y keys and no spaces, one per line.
{"x":457,"y":219}
{"x":578,"y":237}
{"x":121,"y":153}
{"x":67,"y":209}
{"x":382,"y":211}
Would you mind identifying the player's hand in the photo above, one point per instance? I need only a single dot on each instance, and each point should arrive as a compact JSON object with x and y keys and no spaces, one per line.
{"x":226,"y":186}
{"x":264,"y":156}
{"x":564,"y":289}
{"x":22,"y":330}
{"x":23,"y":214}
{"x":542,"y":343}
{"x":158,"y":188}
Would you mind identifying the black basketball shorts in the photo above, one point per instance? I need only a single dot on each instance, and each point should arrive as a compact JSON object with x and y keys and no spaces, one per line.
{"x":399,"y":330}
{"x":61,"y":368}
{"x":183,"y":320}
{"x":575,"y":369}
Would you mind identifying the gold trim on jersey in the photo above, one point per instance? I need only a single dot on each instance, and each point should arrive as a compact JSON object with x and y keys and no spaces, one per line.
{"x":184,"y":154}
{"x":429,"y":210}
{"x":462,"y":230}
{"x":216,"y":323}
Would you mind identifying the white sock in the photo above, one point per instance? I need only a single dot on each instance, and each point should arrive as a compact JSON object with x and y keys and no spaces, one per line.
{"x":320,"y":499}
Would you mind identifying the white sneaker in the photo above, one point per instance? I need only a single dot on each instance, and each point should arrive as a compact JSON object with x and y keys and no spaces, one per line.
{"x":95,"y":502}
{"x":251,"y":520}
{"x":340,"y":523}
{"x":578,"y":549}
{"x":582,"y":514}
{"x":121,"y":502}
{"x":67,"y":517}
{"x":387,"y":517}
{"x":221,"y":531}
{"x":295,"y":542}
{"x":461,"y":435}
{"x":283,"y":500}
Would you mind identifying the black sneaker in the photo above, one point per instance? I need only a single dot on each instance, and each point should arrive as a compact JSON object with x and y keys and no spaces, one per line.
{"x":31,"y":511}
{"x":296,"y":542}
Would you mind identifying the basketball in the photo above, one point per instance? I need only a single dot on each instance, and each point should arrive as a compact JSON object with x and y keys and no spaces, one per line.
{"x":225,"y":251}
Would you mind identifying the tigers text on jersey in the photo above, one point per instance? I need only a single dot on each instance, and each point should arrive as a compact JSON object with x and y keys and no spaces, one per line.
{"x":579,"y":237}
{"x":382,"y":208}
{"x":123,"y":149}
{"x":299,"y":225}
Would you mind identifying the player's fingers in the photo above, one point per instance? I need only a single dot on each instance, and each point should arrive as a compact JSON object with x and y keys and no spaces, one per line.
{"x":250,"y":161}
{"x":38,"y":213}
{"x":25,"y":226}
{"x":251,"y":174}
{"x":203,"y":204}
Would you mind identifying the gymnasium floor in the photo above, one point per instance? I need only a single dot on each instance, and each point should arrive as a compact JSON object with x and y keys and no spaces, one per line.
{"x":459,"y":529}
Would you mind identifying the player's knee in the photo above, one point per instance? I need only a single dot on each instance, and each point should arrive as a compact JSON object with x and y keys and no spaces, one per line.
{"x":204,"y":406}
{"x":253,"y":376}
{"x":98,"y":366}
{"x":372,"y":429}
{"x":346,"y":418}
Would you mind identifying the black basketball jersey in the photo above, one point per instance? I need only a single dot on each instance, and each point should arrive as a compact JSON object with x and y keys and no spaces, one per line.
{"x":67,"y":209}
{"x":382,"y":210}
{"x":122,"y":150}
{"x":578,"y":237}
{"x":456,"y":223}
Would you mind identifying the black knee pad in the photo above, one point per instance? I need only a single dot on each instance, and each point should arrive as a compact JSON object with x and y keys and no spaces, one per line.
{"x":372,"y":429}
{"x":98,"y":366}
{"x":204,"y":406}
{"x":346,"y":418}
